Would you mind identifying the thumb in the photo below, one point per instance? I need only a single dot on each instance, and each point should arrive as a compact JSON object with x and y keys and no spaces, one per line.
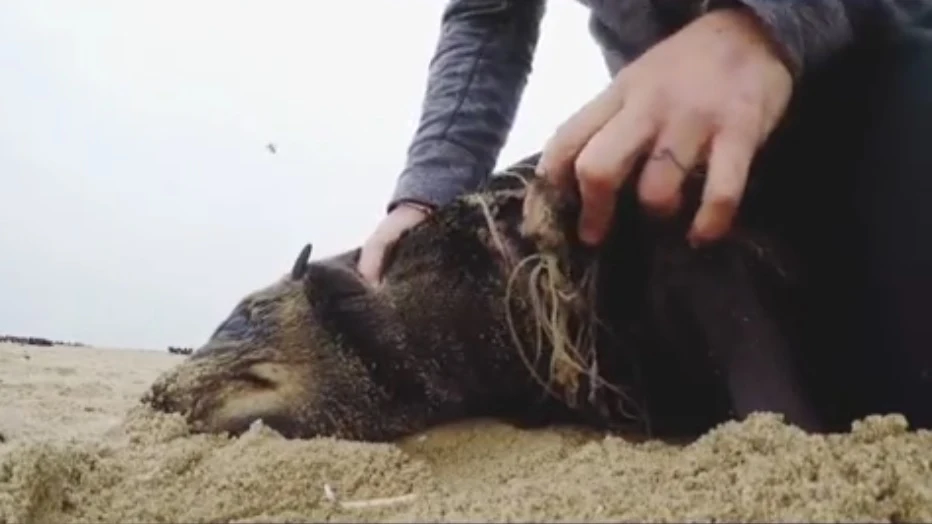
{"x":372,"y":254}
{"x":370,"y":259}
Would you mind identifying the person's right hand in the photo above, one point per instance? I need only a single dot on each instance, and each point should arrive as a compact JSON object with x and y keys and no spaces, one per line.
{"x":403,"y":217}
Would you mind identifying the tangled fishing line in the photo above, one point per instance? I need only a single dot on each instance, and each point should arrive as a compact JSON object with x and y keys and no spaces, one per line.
{"x":563,"y":318}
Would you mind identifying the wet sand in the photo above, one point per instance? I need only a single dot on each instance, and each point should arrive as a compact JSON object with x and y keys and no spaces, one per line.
{"x":77,"y":448}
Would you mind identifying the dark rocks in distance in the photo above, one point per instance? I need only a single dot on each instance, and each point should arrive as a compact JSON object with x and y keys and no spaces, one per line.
{"x":36,"y":341}
{"x":44,"y":342}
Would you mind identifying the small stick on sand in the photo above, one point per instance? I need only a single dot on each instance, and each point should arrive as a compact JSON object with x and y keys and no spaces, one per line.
{"x":331,"y":496}
{"x":374,"y":503}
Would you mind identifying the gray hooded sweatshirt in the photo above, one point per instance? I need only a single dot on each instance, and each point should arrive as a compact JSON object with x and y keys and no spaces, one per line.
{"x":484,"y":54}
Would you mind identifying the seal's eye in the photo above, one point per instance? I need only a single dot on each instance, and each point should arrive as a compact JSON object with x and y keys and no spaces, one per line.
{"x":237,"y":325}
{"x":256,"y":380}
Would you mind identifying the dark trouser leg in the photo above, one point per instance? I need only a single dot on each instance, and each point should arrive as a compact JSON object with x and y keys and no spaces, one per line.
{"x":895,"y":204}
{"x":850,"y":174}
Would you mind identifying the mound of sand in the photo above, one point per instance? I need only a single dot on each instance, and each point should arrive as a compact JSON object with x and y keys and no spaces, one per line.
{"x":78,"y":449}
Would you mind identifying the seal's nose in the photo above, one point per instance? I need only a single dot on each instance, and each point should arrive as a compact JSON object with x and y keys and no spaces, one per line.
{"x":159,"y":398}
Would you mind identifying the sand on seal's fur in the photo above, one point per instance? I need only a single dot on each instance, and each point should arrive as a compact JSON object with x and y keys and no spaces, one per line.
{"x":71,"y":457}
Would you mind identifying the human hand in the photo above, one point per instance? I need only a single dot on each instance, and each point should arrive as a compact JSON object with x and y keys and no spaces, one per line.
{"x":403,"y":217}
{"x":711,"y":92}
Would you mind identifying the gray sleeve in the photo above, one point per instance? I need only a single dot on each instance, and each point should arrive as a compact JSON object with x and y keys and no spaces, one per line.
{"x":809,"y":31}
{"x":475,"y":82}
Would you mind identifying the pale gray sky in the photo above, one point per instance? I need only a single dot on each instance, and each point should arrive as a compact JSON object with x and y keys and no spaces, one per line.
{"x":139,"y":201}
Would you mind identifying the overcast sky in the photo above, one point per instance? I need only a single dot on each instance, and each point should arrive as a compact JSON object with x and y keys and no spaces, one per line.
{"x":138,"y":201}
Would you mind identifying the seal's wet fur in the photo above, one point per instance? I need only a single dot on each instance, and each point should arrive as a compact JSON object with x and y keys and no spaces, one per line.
{"x":474,"y":301}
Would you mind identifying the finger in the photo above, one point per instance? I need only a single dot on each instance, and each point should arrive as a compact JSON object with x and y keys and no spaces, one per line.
{"x":560,"y":151}
{"x":676,"y":151}
{"x":729,"y":161}
{"x":604,"y":163}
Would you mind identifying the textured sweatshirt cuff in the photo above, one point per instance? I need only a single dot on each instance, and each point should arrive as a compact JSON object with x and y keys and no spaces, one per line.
{"x":807,"y":32}
{"x":438,"y":172}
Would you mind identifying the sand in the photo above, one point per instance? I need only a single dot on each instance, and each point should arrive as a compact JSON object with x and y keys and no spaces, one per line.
{"x":78,"y":448}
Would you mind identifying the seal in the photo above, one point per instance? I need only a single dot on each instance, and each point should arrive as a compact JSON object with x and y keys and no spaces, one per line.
{"x":492,"y":308}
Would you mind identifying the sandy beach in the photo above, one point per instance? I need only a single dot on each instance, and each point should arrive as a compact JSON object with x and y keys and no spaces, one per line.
{"x":77,"y":448}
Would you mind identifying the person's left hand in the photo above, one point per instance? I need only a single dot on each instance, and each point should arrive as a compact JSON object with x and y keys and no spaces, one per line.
{"x":711,"y":92}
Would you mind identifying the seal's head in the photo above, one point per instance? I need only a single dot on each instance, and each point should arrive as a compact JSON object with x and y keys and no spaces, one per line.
{"x":264,"y":361}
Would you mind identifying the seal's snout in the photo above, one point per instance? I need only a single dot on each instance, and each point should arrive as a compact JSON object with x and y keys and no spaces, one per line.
{"x":267,"y":391}
{"x":261,"y":377}
{"x":159,"y":398}
{"x":260,"y":363}
{"x":217,"y":395}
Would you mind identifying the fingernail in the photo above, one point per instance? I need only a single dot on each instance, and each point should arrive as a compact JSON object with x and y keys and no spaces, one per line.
{"x":694,"y":239}
{"x":588,"y":236}
{"x":659,"y":212}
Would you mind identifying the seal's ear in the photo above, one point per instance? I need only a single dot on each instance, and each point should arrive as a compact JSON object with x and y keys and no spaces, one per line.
{"x":300,"y":265}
